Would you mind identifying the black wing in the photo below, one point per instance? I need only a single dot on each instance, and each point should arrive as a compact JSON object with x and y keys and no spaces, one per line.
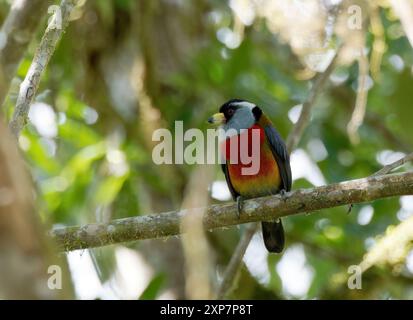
{"x":280,"y":153}
{"x":230,"y":187}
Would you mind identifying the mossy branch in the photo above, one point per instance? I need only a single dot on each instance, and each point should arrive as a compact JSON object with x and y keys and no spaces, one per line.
{"x":17,"y":31}
{"x":218,"y":216}
{"x":44,"y":53}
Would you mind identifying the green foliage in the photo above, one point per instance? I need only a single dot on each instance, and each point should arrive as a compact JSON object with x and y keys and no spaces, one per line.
{"x":98,"y":166}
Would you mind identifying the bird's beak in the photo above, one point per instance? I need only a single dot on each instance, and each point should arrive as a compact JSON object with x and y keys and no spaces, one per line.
{"x":217,"y":119}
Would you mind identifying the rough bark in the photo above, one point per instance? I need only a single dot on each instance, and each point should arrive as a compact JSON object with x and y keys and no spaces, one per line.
{"x":218,"y":216}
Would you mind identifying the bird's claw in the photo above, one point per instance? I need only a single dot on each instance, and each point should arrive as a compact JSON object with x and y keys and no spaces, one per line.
{"x":283,"y":194}
{"x":239,"y":206}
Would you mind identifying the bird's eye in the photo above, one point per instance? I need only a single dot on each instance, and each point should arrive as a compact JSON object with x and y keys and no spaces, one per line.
{"x":230,"y":112}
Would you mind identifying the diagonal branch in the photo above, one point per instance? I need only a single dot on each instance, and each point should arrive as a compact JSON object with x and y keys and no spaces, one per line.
{"x":218,"y":216}
{"x":15,"y":35}
{"x":359,"y":111}
{"x":390,"y":167}
{"x":318,"y":86}
{"x":235,"y":262}
{"x":387,"y":169}
{"x":44,"y":52}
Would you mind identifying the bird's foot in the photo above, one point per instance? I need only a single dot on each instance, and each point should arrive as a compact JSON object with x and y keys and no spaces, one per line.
{"x":240,"y":201}
{"x":283,"y":194}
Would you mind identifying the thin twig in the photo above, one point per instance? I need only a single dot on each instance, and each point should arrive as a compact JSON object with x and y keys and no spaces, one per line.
{"x":15,"y":35}
{"x":359,"y":112}
{"x":390,"y":167}
{"x":372,"y":119}
{"x":387,"y":169}
{"x":254,"y":210}
{"x":299,"y":127}
{"x":235,"y":262}
{"x":47,"y":46}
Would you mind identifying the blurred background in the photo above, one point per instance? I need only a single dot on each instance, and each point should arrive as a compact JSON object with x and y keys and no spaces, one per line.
{"x":125,"y":68}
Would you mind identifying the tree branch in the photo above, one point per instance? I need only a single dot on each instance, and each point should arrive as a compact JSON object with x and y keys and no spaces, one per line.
{"x":44,"y":52}
{"x":359,"y":111}
{"x":390,"y":167}
{"x":16,"y":33}
{"x":235,"y":262}
{"x":298,"y":130}
{"x":218,"y":216}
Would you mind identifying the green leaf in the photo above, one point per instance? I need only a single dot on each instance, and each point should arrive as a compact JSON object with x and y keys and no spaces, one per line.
{"x":109,"y":189}
{"x":154,"y":287}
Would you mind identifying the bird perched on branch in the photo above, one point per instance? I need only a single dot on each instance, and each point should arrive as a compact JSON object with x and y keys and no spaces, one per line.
{"x":242,"y":120}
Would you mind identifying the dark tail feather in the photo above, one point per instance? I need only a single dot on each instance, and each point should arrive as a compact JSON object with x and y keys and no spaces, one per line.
{"x":273,"y":234}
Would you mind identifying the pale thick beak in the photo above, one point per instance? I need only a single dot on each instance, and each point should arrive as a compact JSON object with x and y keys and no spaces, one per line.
{"x":217,"y":119}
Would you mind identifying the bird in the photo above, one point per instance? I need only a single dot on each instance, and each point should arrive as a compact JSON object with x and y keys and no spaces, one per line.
{"x":274,"y":173}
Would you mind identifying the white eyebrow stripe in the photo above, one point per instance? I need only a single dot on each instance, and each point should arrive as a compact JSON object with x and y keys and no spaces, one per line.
{"x":244,"y":104}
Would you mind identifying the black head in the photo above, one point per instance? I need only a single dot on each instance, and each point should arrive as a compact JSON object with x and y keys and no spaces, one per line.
{"x":230,"y":107}
{"x":237,"y":114}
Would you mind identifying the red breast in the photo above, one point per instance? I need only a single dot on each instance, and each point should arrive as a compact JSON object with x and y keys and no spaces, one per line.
{"x":241,"y":147}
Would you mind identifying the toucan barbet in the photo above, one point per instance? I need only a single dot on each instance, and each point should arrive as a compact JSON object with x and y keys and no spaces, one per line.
{"x":274,"y":173}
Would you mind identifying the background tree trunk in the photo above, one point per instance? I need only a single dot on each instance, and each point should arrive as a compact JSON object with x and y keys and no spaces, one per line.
{"x":25,"y":253}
